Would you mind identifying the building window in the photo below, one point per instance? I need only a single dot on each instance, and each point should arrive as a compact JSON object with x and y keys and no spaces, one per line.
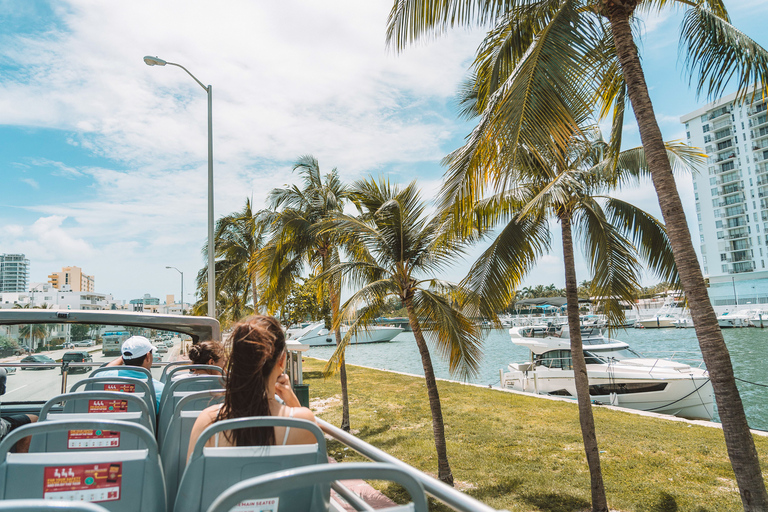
{"x":720,"y":235}
{"x":705,"y":128}
{"x":718,"y":224}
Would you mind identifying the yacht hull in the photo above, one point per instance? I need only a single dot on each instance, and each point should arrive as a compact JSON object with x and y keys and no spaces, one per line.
{"x":318,"y":335}
{"x":686,"y":397}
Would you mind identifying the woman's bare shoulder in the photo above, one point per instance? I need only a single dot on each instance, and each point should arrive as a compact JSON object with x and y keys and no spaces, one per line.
{"x":303,"y":413}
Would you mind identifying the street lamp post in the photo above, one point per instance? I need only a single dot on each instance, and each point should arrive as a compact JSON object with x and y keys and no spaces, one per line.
{"x":154,"y":61}
{"x":182,"y":287}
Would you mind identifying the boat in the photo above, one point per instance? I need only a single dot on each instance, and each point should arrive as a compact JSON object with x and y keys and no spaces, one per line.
{"x":617,"y":374}
{"x":316,"y":334}
{"x":664,"y":317}
{"x":743,"y":318}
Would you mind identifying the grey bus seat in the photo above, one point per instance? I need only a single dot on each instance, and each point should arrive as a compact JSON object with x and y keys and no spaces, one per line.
{"x":139,"y":369}
{"x":91,"y":406}
{"x":171,"y":369}
{"x":167,"y":367}
{"x":211,"y":470}
{"x":173,"y":452}
{"x":173,"y":392}
{"x":122,"y":385}
{"x":50,"y":506}
{"x":121,"y":481}
{"x":282,"y":487}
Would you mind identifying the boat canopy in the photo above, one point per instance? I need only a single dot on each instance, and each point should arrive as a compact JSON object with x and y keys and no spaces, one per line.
{"x":557,"y":302}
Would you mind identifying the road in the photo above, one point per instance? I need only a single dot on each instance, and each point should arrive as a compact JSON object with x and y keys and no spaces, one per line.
{"x":43,"y":384}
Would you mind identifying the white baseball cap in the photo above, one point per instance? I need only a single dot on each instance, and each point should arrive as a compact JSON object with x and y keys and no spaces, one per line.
{"x":136,"y":346}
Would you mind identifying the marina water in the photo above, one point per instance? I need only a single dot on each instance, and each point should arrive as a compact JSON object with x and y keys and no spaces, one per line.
{"x":748,"y":348}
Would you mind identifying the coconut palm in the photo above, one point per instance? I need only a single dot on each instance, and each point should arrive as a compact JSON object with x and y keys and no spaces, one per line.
{"x":399,"y":250}
{"x":297,"y":241}
{"x":238,"y":237}
{"x":33,"y":332}
{"x":541,"y":51}
{"x":615,"y":236}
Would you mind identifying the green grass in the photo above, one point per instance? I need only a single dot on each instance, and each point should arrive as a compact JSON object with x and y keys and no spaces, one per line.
{"x":523,"y":453}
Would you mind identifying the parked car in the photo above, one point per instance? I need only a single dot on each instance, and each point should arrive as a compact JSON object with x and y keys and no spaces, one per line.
{"x":22,"y":349}
{"x":37,"y":358}
{"x":85,"y":343}
{"x":79,"y":356}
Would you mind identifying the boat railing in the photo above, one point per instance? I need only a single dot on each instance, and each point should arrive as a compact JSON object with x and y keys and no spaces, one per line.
{"x":451,"y":497}
{"x":690,"y":358}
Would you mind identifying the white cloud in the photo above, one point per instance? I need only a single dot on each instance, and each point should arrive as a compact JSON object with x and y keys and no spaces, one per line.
{"x":31,"y":182}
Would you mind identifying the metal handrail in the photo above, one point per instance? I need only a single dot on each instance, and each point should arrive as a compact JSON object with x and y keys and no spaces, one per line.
{"x":457,"y":500}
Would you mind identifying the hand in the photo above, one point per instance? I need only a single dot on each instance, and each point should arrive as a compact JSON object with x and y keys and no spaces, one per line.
{"x":284,"y":391}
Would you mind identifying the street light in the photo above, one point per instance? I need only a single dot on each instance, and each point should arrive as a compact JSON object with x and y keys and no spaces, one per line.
{"x":182,"y":287}
{"x":154,"y":61}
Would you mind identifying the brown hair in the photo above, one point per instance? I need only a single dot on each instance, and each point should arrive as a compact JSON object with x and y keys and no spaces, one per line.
{"x":203,"y":352}
{"x":257,"y":343}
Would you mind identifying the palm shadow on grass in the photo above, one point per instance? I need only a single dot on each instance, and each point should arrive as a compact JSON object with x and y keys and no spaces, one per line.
{"x":553,"y":502}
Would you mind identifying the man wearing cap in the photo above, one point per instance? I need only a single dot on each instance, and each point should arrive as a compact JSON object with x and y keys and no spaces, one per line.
{"x":137,"y":351}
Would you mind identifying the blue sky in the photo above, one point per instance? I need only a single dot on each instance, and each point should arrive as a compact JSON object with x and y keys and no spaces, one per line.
{"x":103,"y":159}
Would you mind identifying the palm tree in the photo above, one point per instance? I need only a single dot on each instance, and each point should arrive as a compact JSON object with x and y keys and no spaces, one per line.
{"x":34,"y":331}
{"x":298,"y":240}
{"x":548,"y":64}
{"x":614,"y":233}
{"x":399,"y":249}
{"x":238,"y":238}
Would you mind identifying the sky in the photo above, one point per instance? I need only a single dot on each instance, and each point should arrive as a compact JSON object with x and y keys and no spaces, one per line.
{"x":103,"y":159}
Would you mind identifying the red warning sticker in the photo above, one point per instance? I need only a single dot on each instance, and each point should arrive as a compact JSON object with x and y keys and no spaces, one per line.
{"x":80,"y":439}
{"x":107,"y":405}
{"x":89,"y":482}
{"x":128,"y":388}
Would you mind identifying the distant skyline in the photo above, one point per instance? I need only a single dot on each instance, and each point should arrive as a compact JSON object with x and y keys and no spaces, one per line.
{"x":103,"y":160}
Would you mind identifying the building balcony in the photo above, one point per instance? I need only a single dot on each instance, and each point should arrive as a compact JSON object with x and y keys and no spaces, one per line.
{"x":740,"y":270}
{"x":759,"y":121}
{"x":725,"y":157}
{"x":722,"y":134}
{"x":760,"y":157}
{"x":730,"y":178}
{"x":756,"y":109}
{"x":737,"y":235}
{"x":733,"y":212}
{"x":760,"y":133}
{"x":757,"y":146}
{"x":717,"y":114}
{"x":732,"y":202}
{"x":726,"y":189}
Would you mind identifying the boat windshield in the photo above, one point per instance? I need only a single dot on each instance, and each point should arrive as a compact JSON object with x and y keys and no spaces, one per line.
{"x":618,"y":353}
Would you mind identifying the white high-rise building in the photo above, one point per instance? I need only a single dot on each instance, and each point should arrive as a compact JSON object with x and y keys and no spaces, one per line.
{"x":731,"y":190}
{"x":14,"y":273}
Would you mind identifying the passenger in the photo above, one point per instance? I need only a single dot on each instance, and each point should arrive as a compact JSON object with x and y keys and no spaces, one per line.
{"x":136,"y":351}
{"x":205,"y":352}
{"x":14,"y":421}
{"x":254,"y":376}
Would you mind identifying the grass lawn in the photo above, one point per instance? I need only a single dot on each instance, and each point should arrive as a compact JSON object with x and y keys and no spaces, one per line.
{"x":524,"y":453}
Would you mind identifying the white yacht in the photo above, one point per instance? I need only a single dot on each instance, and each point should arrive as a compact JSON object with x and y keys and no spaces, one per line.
{"x":317,"y":335}
{"x":664,"y":317}
{"x":617,"y":375}
{"x":735,"y":319}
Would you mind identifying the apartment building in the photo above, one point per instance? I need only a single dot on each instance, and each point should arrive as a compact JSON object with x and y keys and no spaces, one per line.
{"x":731,"y":191}
{"x":73,"y":279}
{"x":14,"y":273}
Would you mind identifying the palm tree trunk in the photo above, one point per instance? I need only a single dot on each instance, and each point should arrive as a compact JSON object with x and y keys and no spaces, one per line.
{"x":586,"y":419}
{"x":438,"y":428}
{"x":738,"y":438}
{"x":335,"y":305}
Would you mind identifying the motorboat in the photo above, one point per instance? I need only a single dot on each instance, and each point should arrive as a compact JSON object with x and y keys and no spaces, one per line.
{"x":684,"y":321}
{"x":617,"y":374}
{"x":743,"y":318}
{"x":316,"y":334}
{"x":664,"y":317}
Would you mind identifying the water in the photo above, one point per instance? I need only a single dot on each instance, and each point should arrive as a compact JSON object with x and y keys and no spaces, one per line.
{"x":748,"y":348}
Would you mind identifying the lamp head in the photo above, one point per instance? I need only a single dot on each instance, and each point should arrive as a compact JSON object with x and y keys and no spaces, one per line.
{"x":154,"y":61}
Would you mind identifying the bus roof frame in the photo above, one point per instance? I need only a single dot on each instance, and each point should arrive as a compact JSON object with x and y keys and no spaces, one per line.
{"x":200,"y":328}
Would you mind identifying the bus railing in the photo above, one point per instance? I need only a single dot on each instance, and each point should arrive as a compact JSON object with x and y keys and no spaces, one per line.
{"x":451,"y":497}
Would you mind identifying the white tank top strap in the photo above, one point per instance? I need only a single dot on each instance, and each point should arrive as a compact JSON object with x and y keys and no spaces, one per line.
{"x":287,"y":429}
{"x":216,"y":440}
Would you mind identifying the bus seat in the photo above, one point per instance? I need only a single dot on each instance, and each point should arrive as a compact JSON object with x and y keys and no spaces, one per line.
{"x":211,"y":470}
{"x":138,"y":369}
{"x":50,"y":506}
{"x":137,"y":387}
{"x":121,"y":481}
{"x":171,"y":396}
{"x":174,"y":364}
{"x":283,"y":487}
{"x":173,"y":452}
{"x":92,"y":406}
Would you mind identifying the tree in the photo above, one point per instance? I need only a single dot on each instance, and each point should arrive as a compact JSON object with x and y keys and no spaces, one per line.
{"x":301,"y":304}
{"x":298,"y":240}
{"x":79,"y":332}
{"x":33,"y":332}
{"x":237,"y":240}
{"x":540,"y":51}
{"x":398,"y":250}
{"x":615,"y":236}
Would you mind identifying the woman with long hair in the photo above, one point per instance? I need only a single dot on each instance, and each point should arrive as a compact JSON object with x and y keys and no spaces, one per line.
{"x":255,"y":374}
